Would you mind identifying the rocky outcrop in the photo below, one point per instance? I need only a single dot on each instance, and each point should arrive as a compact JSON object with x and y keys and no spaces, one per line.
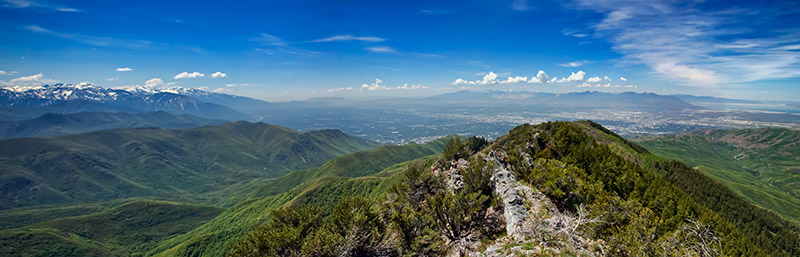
{"x":534,"y":225}
{"x":514,"y":196}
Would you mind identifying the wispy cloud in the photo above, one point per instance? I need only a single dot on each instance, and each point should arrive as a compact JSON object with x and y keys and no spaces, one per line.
{"x":702,"y":48}
{"x":29,"y":4}
{"x":382,"y":49}
{"x":348,"y":38}
{"x":270,"y":44}
{"x":95,"y":40}
{"x":32,"y":80}
{"x":574,"y":33}
{"x":154,"y":82}
{"x":339,"y":89}
{"x":574,"y":64}
{"x":124,"y":69}
{"x":436,"y":11}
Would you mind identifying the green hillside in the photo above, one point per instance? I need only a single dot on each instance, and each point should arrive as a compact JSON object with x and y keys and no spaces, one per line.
{"x":362,"y":173}
{"x":183,"y":164}
{"x":761,"y":165}
{"x":61,"y":124}
{"x":598,"y":194}
{"x":126,"y":230}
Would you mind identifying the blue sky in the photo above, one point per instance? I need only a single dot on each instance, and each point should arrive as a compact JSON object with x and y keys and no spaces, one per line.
{"x":294,"y":50}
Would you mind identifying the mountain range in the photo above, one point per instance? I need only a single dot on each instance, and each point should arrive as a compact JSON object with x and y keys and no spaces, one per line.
{"x":30,"y":102}
{"x":52,"y":124}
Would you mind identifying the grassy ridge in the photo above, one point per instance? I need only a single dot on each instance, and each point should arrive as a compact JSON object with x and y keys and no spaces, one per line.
{"x":366,"y":173}
{"x":184,"y":164}
{"x":760,"y":165}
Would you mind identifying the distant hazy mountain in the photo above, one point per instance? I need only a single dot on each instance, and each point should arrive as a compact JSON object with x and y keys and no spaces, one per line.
{"x":588,"y":99}
{"x":29,"y":102}
{"x":180,"y":163}
{"x":709,"y":99}
{"x":60,"y":124}
{"x":239,"y":103}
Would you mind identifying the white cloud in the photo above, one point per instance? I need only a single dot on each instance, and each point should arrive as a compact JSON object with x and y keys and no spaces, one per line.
{"x":594,"y":79}
{"x":541,"y":77}
{"x":574,"y":64}
{"x":381,"y":49}
{"x":112,"y":79}
{"x":348,"y":38}
{"x":124,"y":69}
{"x":490,"y":78}
{"x":2,"y":72}
{"x":218,"y":75}
{"x":573,"y":77}
{"x":339,"y":89}
{"x":460,"y":81}
{"x":230,"y":85}
{"x":377,"y":86}
{"x":32,"y":80}
{"x":154,"y":82}
{"x":676,"y":70}
{"x":623,"y":79}
{"x":608,"y":85}
{"x":516,"y":79}
{"x":374,"y":86}
{"x":411,"y":87}
{"x":187,"y":75}
{"x":606,"y":78}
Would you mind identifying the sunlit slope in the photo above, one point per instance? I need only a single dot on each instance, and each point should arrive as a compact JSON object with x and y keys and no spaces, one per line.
{"x":190,"y":164}
{"x":366,"y":173}
{"x":125,"y":230}
{"x":761,"y":165}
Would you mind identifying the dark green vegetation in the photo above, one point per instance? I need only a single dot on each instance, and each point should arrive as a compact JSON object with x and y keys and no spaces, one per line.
{"x":184,"y":164}
{"x":761,"y":165}
{"x":61,"y":124}
{"x":128,"y":229}
{"x":170,"y":164}
{"x":366,"y":173}
{"x":646,"y":206}
{"x":388,"y":201}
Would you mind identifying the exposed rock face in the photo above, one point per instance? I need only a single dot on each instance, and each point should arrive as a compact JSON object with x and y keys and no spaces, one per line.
{"x":531,"y":218}
{"x":513,"y":195}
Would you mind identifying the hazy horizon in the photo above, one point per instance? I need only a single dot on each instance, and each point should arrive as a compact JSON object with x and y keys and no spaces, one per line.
{"x":737,"y":50}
